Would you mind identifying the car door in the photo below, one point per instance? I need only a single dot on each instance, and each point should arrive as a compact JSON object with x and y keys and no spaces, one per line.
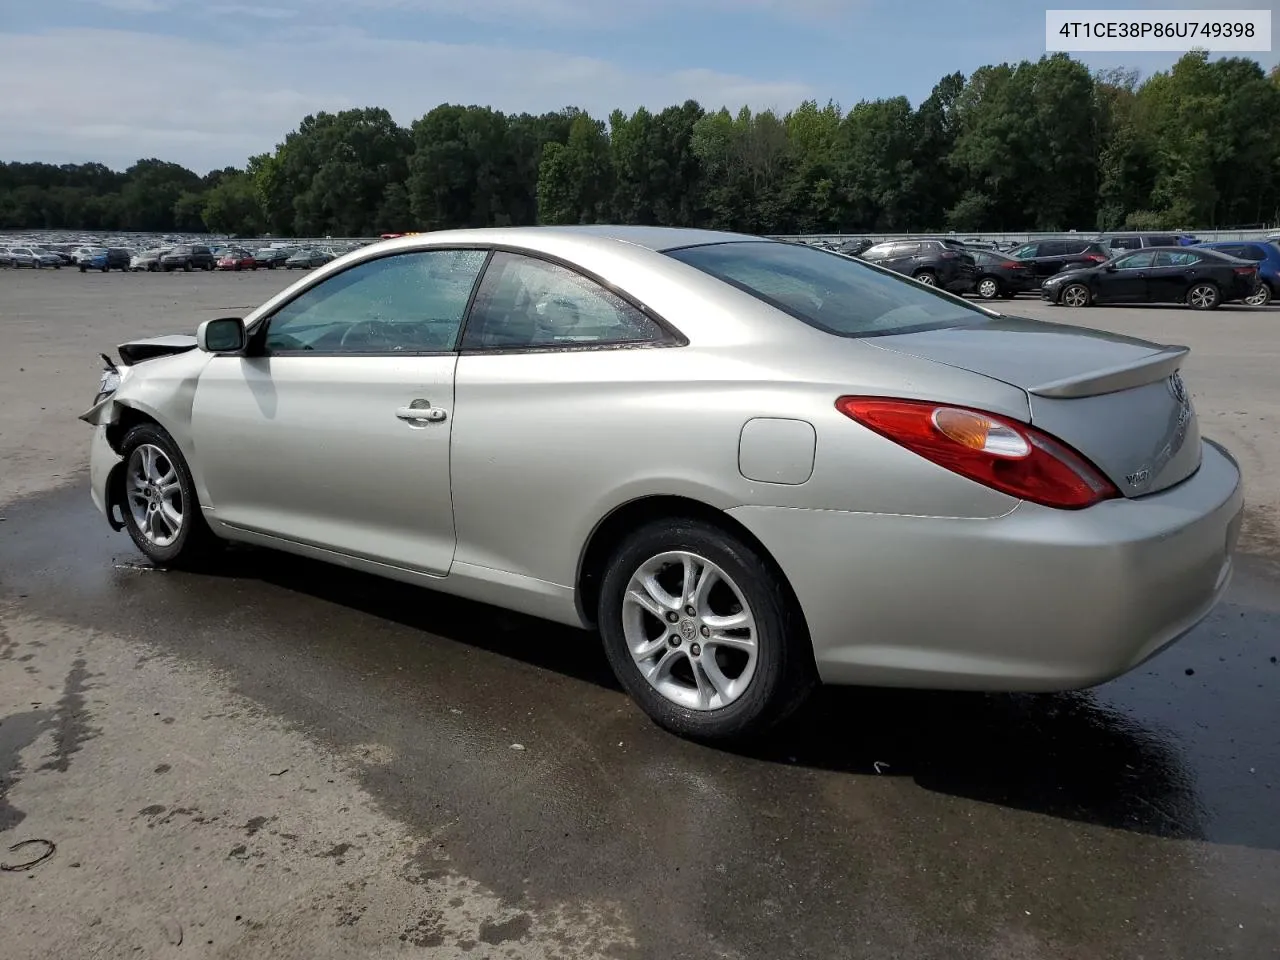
{"x":551,"y":363}
{"x":1171,"y":275}
{"x":1125,"y":280}
{"x":334,"y":429}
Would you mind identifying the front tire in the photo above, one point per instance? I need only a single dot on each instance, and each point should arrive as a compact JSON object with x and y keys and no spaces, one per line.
{"x":1075,"y":295}
{"x":928,"y":278}
{"x":702,"y":632}
{"x":161,"y":509}
{"x":988,"y":288}
{"x":1203,"y":296}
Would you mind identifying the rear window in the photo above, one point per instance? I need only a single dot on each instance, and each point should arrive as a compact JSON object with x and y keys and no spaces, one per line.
{"x":1160,"y":240}
{"x":828,"y":291}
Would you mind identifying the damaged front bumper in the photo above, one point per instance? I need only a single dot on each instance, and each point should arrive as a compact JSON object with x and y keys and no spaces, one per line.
{"x":106,"y":473}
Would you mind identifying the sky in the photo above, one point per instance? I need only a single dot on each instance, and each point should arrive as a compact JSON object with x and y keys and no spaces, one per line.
{"x":207,"y":83}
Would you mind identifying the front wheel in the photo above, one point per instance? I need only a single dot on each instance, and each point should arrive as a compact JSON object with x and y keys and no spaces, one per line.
{"x":1203,"y":296}
{"x":1260,"y":297}
{"x":161,"y":510}
{"x":702,"y":632}
{"x":927,"y":278}
{"x":1076,"y":295}
{"x":988,"y":288}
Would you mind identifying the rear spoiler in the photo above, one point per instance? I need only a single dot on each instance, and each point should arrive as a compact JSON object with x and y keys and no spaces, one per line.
{"x":1137,"y":373}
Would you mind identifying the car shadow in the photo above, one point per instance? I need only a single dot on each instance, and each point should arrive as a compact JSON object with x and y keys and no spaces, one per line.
{"x":1062,"y":755}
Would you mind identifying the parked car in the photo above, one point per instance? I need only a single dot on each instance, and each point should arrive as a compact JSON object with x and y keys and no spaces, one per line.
{"x":1202,"y":279}
{"x":147,"y":260}
{"x":1265,"y":255}
{"x":6,"y":258}
{"x":932,"y":262}
{"x":1048,"y":257}
{"x":669,"y":491}
{"x":271,"y":257}
{"x":1117,"y":243}
{"x":34,"y":257}
{"x":307,"y":259}
{"x":187,"y":257}
{"x":89,"y":258}
{"x":237,"y":260}
{"x":1000,"y":275}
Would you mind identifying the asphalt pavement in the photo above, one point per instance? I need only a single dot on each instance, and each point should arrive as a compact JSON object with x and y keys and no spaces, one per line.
{"x":282,"y":758}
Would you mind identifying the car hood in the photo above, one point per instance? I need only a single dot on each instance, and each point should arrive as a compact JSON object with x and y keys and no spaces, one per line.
{"x":148,"y":348}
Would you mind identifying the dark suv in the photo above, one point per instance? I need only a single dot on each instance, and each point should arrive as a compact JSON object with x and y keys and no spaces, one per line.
{"x":932,"y":262}
{"x":1047,"y":257}
{"x":188,"y":257}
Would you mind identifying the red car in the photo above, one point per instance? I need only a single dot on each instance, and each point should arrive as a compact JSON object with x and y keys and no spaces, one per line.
{"x":238,"y":260}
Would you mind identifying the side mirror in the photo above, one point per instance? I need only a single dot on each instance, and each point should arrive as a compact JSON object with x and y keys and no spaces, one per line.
{"x":224,"y":335}
{"x":1111,"y":268}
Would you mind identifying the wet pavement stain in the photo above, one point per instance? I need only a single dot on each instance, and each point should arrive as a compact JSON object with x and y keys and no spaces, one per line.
{"x":1120,"y":821}
{"x":70,"y":726}
{"x":17,"y":732}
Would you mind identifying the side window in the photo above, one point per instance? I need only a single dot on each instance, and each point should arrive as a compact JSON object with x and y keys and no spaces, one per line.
{"x":406,"y":303}
{"x":1168,"y":258}
{"x":906,"y":249}
{"x":526,"y":302}
{"x":1160,"y":241}
{"x":1251,"y":252}
{"x":1136,"y":261}
{"x":1119,"y":244}
{"x":878,"y":252}
{"x":1026,"y":250}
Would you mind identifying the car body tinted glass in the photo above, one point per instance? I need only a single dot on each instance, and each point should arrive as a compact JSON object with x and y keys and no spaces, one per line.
{"x":1160,"y":240}
{"x":909,"y":248}
{"x":524,"y":302}
{"x":1136,"y":261}
{"x":406,"y":303}
{"x":1120,"y":244}
{"x":832,"y":293}
{"x":878,"y":252}
{"x":1168,"y":258}
{"x":1025,"y":251}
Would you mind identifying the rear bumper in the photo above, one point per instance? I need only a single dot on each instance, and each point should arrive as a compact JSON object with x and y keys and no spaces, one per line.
{"x":1036,"y":600}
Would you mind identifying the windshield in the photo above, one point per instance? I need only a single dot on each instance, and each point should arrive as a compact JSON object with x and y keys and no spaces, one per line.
{"x":825,"y":290}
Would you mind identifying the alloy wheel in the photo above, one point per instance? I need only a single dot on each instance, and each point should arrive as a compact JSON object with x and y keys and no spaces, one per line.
{"x":1075,"y":296}
{"x":154,"y":495}
{"x":690,"y":630}
{"x":1202,"y":296}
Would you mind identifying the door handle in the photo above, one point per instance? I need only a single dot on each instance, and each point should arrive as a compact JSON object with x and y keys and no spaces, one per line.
{"x":419,"y":414}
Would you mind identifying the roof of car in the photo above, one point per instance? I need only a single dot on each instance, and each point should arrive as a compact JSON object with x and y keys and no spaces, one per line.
{"x":659,"y":239}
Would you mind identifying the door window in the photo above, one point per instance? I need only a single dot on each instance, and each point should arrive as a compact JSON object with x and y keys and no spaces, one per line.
{"x":1025,"y":251}
{"x":407,"y":303}
{"x":524,"y":302}
{"x":1136,"y":261}
{"x":1167,"y":258}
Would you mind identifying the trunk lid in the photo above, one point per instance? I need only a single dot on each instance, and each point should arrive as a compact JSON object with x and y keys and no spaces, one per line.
{"x":1118,"y":400}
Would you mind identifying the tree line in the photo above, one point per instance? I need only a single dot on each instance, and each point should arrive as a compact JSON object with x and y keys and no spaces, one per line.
{"x":1041,"y":146}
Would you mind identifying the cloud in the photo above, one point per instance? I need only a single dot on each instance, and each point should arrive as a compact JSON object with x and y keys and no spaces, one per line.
{"x":265,"y":87}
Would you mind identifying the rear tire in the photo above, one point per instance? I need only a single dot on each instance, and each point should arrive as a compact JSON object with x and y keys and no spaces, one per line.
{"x":1204,"y":296}
{"x":709,"y":682}
{"x":1261,"y":297}
{"x":988,"y":288}
{"x":161,"y":509}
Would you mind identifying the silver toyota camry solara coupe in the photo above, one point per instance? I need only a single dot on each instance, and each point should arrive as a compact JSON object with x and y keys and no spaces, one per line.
{"x":752,"y":465}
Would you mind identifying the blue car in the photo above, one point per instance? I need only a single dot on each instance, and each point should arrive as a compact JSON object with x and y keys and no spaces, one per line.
{"x":1267,"y":257}
{"x":97,"y":260}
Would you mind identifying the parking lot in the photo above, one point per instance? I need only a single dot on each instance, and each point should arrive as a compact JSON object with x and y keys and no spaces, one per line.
{"x":288,"y":759}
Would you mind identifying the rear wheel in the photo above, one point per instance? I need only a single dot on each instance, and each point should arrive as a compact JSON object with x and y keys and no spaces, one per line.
{"x":928,"y":278}
{"x":1076,"y":295}
{"x":1260,"y":297}
{"x":701,"y":631}
{"x":186,"y":266}
{"x":161,"y":510}
{"x":988,"y":288}
{"x":1203,"y":296}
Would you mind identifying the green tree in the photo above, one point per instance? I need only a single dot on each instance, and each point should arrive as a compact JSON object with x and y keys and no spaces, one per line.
{"x":575,"y":178}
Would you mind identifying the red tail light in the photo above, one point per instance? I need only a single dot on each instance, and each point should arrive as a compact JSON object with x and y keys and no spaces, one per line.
{"x":1003,"y":454}
{"x":1013,"y":265}
{"x":1246,"y":269}
{"x":1095,"y":257}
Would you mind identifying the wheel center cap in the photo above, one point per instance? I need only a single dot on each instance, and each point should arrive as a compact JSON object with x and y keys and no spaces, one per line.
{"x":688,"y":630}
